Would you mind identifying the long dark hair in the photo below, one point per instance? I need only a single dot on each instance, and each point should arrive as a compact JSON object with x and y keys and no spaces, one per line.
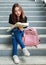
{"x":14,"y":17}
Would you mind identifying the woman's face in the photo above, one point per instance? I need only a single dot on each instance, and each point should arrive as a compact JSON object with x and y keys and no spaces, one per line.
{"x":17,"y":11}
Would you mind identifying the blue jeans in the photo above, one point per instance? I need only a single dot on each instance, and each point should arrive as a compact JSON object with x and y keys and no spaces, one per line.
{"x":17,"y":39}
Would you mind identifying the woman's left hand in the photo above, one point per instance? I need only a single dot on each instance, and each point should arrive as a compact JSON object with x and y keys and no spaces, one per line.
{"x":21,"y":27}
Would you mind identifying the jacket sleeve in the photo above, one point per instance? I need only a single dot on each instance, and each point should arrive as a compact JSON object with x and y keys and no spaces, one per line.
{"x":10,"y":19}
{"x":25,"y":19}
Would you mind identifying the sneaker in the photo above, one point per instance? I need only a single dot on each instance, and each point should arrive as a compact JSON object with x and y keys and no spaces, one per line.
{"x":16,"y":59}
{"x":26,"y":52}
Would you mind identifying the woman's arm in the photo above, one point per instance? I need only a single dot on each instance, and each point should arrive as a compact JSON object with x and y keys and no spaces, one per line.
{"x":11,"y":27}
{"x":11,"y":23}
{"x":25,"y":19}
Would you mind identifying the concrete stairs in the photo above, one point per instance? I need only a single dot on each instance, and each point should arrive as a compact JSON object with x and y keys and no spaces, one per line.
{"x":36,"y":14}
{"x":34,"y":60}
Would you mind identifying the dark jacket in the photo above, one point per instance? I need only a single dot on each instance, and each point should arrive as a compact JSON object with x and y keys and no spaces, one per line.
{"x":12,"y":22}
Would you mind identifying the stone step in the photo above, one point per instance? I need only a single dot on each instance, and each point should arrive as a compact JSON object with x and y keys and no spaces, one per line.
{"x":31,"y":24}
{"x":24,"y":60}
{"x":37,"y":19}
{"x":6,"y":50}
{"x":18,"y":0}
{"x":7,"y":38}
{"x":27,"y":21}
{"x":24,"y":11}
{"x":30,"y":13}
{"x":29,"y":18}
{"x":27,"y":8}
{"x":21,"y":3}
{"x":27,"y":5}
{"x":40,"y":30}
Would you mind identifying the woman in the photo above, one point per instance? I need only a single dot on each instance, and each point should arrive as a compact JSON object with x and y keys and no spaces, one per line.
{"x":17,"y":15}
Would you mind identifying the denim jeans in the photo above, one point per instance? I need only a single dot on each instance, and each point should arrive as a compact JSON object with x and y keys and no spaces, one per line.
{"x":17,"y":39}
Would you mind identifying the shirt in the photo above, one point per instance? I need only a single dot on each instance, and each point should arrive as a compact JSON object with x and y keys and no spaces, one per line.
{"x":12,"y":22}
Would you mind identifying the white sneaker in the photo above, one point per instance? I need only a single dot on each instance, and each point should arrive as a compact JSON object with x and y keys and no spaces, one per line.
{"x":26,"y":52}
{"x":16,"y":59}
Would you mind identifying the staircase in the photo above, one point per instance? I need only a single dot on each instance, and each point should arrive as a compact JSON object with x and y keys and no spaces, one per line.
{"x":36,"y":14}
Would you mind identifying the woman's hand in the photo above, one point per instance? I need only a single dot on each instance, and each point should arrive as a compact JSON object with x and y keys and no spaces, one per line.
{"x":20,"y":27}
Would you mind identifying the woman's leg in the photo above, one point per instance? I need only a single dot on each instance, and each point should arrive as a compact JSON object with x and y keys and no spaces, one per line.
{"x":20,"y":42}
{"x":25,"y":51}
{"x":14,"y":42}
{"x":18,"y":36}
{"x":15,"y":57}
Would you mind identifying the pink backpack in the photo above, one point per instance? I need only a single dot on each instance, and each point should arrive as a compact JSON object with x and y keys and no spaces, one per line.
{"x":30,"y":37}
